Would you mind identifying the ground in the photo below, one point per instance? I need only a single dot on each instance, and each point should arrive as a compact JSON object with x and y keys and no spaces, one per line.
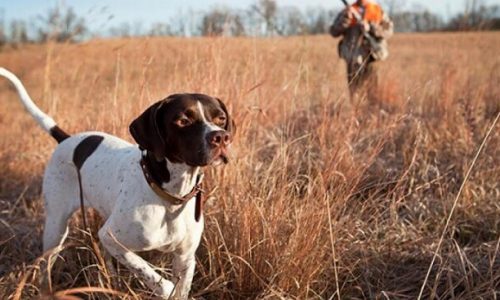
{"x":325,"y":197}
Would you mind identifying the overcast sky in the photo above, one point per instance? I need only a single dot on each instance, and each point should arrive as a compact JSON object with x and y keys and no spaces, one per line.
{"x":101,"y":14}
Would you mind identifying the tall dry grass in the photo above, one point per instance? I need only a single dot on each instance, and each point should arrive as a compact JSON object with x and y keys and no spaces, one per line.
{"x":326,"y":197}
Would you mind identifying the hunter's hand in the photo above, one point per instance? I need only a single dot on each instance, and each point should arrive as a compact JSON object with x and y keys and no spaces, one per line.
{"x":365,"y":26}
{"x":347,"y":19}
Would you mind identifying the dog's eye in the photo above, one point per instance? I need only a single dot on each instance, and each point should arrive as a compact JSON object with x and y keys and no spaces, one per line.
{"x":220,"y":120}
{"x":183,"y":122}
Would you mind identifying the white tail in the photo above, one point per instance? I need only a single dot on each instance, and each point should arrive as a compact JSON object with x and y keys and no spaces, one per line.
{"x":46,"y":122}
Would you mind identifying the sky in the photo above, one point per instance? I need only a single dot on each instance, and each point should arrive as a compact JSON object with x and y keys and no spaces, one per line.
{"x":103,"y":14}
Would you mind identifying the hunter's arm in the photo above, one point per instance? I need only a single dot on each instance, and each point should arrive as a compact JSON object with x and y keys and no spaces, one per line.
{"x":384,"y":30}
{"x":341,"y":23}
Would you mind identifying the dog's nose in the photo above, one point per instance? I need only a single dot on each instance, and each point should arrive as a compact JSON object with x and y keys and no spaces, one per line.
{"x":219,"y":138}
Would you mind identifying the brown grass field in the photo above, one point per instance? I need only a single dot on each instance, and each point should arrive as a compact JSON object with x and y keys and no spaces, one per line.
{"x":326,"y":197}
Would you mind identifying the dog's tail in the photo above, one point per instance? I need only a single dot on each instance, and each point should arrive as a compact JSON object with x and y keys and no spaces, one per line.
{"x":46,"y":122}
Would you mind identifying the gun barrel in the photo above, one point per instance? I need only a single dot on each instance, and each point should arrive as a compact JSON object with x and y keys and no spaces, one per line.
{"x":357,"y":16}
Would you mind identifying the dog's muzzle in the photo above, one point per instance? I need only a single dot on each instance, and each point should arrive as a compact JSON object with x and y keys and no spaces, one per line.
{"x":219,"y":141}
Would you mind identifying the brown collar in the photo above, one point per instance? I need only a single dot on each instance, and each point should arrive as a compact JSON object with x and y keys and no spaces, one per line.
{"x":172,"y":199}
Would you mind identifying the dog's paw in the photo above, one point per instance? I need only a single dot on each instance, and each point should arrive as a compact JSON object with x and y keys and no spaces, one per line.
{"x":164,"y":289}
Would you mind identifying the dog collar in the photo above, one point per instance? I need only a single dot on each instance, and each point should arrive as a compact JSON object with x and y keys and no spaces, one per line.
{"x":197,"y":190}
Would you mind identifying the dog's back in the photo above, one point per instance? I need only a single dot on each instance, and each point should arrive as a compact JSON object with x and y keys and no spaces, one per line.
{"x":97,"y":151}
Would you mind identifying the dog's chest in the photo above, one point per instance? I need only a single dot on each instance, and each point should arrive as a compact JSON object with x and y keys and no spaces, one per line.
{"x":168,"y":229}
{"x":169,"y":232}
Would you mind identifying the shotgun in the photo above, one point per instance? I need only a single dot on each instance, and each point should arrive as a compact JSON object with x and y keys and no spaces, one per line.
{"x":359,"y":19}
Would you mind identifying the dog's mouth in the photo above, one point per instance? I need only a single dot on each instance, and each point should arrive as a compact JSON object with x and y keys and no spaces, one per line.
{"x":222,"y":155}
{"x":214,"y":157}
{"x":219,"y":156}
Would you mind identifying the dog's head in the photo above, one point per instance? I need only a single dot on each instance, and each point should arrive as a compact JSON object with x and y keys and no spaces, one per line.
{"x":195,"y":129}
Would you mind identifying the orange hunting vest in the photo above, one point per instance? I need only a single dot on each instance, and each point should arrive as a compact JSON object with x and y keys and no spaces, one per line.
{"x":372,"y":12}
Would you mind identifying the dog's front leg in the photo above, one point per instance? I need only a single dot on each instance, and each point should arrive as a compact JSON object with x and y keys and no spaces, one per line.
{"x":183,"y":269}
{"x":160,"y":286}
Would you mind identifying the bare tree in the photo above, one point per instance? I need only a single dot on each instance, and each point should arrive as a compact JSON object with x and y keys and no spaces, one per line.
{"x":220,"y":21}
{"x":289,"y":21}
{"x":236,"y":26}
{"x":180,"y":24}
{"x":3,"y":34}
{"x":122,"y":30}
{"x":61,"y":25}
{"x":418,"y":19}
{"x":318,"y":20}
{"x":18,"y":32}
{"x":266,"y":9}
{"x":394,"y":6}
{"x":476,"y":16}
{"x":160,"y":29}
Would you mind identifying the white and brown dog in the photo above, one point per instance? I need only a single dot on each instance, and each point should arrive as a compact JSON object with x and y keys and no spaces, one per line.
{"x":148,"y":195}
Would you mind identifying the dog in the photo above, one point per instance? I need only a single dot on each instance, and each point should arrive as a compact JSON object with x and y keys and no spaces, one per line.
{"x":149,"y":194}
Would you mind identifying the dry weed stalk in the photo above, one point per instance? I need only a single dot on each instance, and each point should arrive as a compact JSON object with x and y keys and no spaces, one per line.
{"x":325,"y":198}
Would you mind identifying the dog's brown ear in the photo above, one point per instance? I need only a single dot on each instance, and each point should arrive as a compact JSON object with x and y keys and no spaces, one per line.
{"x":148,"y":132}
{"x":230,"y":125}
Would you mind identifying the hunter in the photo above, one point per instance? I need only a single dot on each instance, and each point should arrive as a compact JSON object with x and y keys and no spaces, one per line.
{"x":365,"y":29}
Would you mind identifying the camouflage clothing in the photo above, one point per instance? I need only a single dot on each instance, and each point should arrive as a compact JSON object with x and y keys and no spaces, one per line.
{"x":355,"y":49}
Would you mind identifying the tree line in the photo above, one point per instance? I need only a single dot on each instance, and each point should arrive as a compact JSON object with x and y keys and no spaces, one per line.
{"x":263,"y":18}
